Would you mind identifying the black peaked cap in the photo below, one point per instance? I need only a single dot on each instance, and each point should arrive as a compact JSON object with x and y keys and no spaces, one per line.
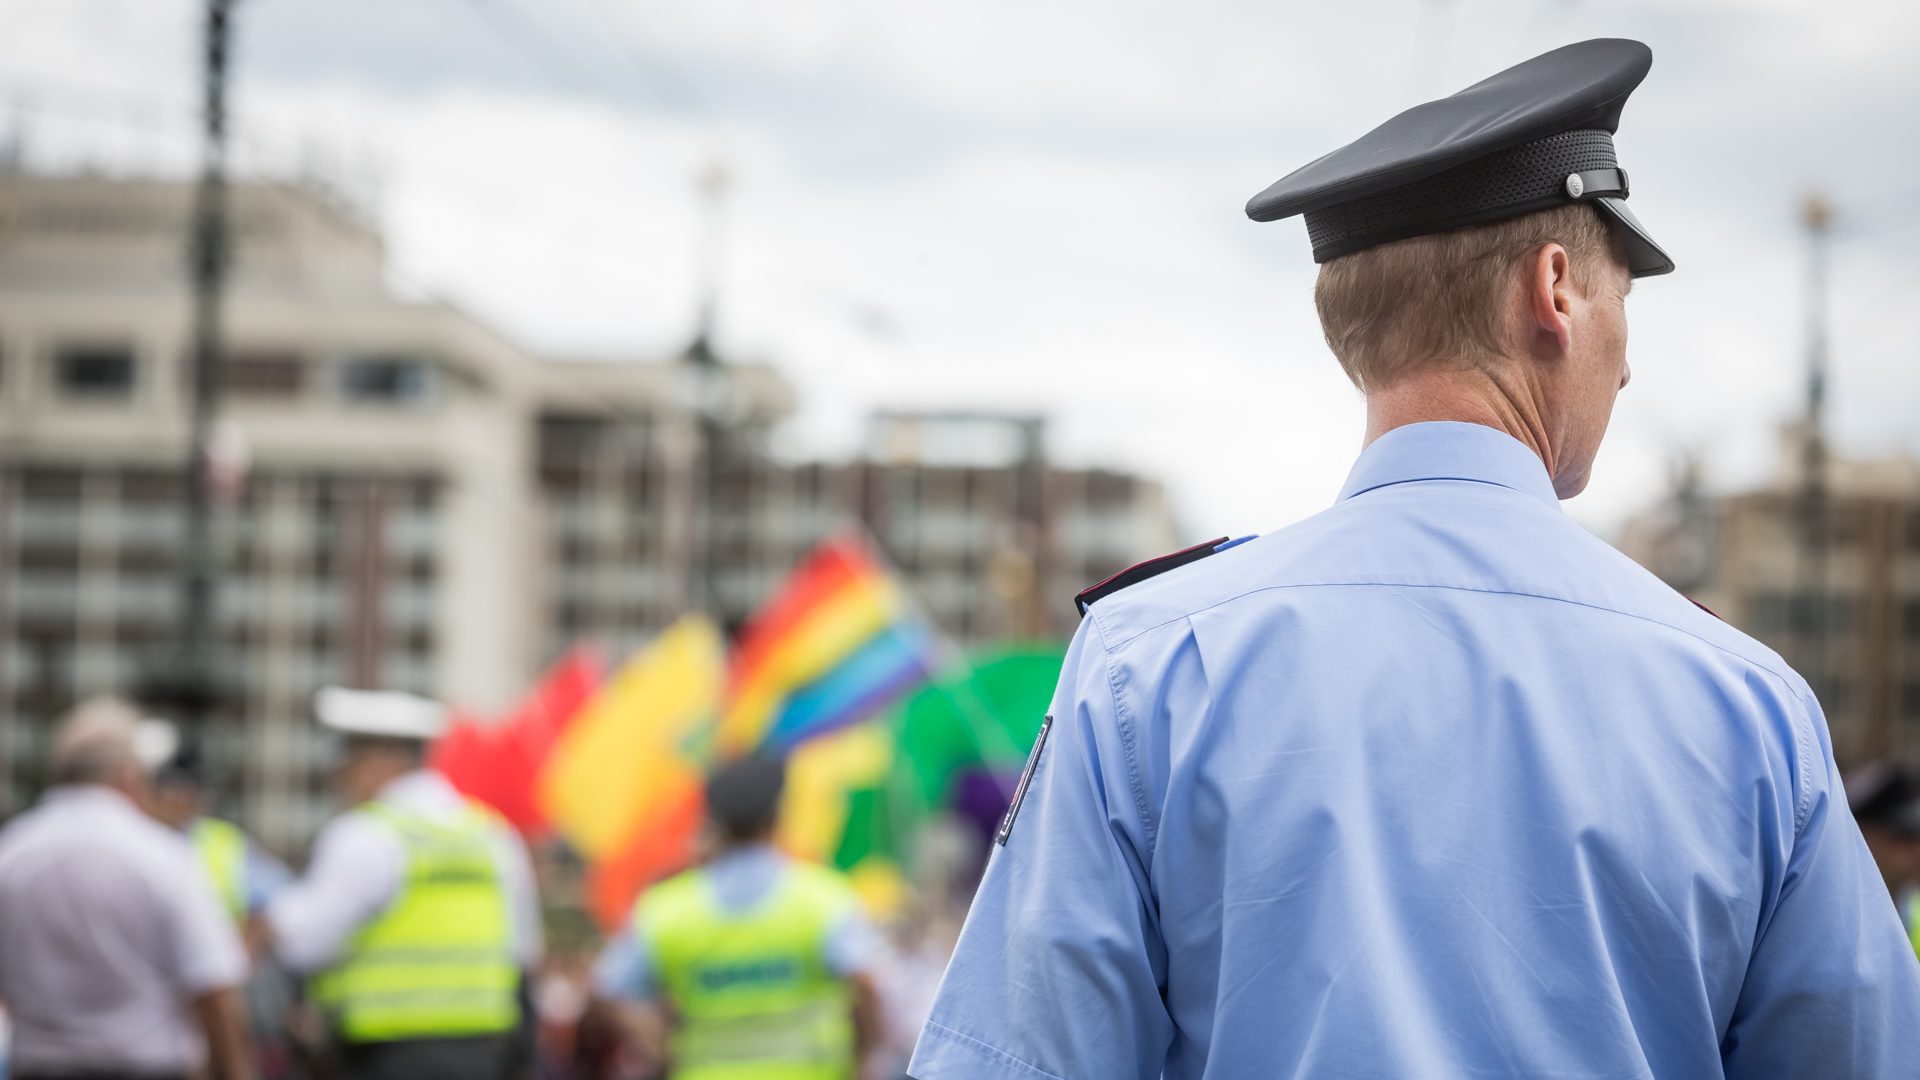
{"x":1535,"y":136}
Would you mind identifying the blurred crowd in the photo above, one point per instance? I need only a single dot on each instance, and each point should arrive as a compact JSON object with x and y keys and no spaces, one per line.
{"x":142,"y":938}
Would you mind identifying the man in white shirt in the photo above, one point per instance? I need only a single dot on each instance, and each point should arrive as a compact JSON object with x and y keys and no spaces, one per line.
{"x":417,"y":919}
{"x":116,"y":959}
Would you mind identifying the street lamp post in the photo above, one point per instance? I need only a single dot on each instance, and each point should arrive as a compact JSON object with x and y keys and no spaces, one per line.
{"x":1815,"y":603}
{"x":191,"y":683}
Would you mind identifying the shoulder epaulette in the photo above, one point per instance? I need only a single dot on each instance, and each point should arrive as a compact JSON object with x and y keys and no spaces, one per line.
{"x":1139,"y":572}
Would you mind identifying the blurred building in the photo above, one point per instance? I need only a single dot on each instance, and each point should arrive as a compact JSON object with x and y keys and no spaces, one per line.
{"x":1846,"y":615}
{"x":996,"y":538}
{"x":993,"y":538}
{"x":412,"y":501}
{"x":384,"y":533}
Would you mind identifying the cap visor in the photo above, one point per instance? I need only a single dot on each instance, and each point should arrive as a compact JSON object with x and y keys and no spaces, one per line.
{"x":1645,"y":258}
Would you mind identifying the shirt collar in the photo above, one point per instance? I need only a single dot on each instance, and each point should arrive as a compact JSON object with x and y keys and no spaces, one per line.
{"x":76,"y":794}
{"x":747,"y":855}
{"x":1450,"y":450}
{"x":419,"y":789}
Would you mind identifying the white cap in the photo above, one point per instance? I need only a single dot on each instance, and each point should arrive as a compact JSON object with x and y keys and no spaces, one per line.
{"x":388,"y":714}
{"x":155,"y":742}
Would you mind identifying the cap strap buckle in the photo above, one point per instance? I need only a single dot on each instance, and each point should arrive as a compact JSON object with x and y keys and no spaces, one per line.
{"x":1596,"y":183}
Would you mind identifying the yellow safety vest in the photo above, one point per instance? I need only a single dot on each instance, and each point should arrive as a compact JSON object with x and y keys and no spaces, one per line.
{"x":222,"y":851}
{"x":438,"y":961}
{"x":1913,"y":920}
{"x":751,"y":990}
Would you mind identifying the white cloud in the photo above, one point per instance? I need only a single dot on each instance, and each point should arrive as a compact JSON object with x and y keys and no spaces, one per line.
{"x":1038,"y":205}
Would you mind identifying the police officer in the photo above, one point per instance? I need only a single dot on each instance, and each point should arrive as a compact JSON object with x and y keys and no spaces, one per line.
{"x":243,"y":875}
{"x":1434,"y":783}
{"x":760,"y":961}
{"x":417,"y":920}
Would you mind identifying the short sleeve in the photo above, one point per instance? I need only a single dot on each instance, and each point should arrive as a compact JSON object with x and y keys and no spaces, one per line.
{"x":1059,"y":969}
{"x":355,"y":871}
{"x":624,"y":971}
{"x":1833,"y":987}
{"x":208,"y":954}
{"x":852,"y":942}
{"x":266,"y":876}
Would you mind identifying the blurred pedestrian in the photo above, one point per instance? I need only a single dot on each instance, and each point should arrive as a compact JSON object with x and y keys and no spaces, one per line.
{"x":1886,"y":802}
{"x":243,"y":875}
{"x":906,"y":978}
{"x":116,"y":959}
{"x":417,"y":919}
{"x":1435,"y":783}
{"x":751,"y":967}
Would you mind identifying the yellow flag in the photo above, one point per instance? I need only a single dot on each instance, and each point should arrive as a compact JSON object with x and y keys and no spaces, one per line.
{"x":821,"y":773}
{"x":633,"y":747}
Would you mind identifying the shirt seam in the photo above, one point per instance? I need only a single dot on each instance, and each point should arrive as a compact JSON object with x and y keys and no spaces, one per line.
{"x":1787,"y":683}
{"x":1124,"y":727}
{"x":935,"y":1025}
{"x":1803,"y":806}
{"x":1803,"y":803}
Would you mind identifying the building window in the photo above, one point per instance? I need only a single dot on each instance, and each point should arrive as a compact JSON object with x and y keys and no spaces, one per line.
{"x":386,"y":380}
{"x":1780,"y":613}
{"x":94,"y":372}
{"x":264,"y":373}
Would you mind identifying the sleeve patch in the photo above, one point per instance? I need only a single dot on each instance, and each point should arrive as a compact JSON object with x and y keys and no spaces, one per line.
{"x":1026,"y":780}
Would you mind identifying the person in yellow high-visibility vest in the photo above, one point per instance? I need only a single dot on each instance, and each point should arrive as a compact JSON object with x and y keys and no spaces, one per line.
{"x":755,"y":965}
{"x":1885,"y":802}
{"x":416,"y":922}
{"x":242,"y":874}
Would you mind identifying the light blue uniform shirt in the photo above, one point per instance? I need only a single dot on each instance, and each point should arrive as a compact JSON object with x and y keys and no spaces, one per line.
{"x":1432,"y":784}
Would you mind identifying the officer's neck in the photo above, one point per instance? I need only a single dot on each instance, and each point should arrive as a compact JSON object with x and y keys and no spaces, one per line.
{"x":742,"y":844}
{"x":1503,"y":402}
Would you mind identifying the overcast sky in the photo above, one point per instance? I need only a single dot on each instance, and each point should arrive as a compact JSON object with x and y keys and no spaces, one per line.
{"x":1038,"y":204}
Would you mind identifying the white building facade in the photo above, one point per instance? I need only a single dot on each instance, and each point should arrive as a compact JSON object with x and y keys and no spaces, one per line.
{"x":426,"y":506}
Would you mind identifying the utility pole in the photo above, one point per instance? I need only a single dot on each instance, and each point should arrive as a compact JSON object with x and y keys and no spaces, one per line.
{"x":712,"y":400}
{"x":1815,"y":603}
{"x":194,"y":678}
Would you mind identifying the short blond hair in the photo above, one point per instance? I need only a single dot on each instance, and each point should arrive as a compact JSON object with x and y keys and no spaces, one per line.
{"x":1440,"y":297}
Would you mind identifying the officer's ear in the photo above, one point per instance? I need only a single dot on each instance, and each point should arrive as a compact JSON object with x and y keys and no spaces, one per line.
{"x":1551,"y":297}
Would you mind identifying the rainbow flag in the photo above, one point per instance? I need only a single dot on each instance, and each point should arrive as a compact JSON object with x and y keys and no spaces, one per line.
{"x":834,"y":646}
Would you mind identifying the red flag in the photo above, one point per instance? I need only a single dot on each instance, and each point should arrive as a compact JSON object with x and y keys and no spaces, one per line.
{"x":499,"y":763}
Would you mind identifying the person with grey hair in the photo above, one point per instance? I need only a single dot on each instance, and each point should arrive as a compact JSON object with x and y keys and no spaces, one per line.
{"x":116,"y":960}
